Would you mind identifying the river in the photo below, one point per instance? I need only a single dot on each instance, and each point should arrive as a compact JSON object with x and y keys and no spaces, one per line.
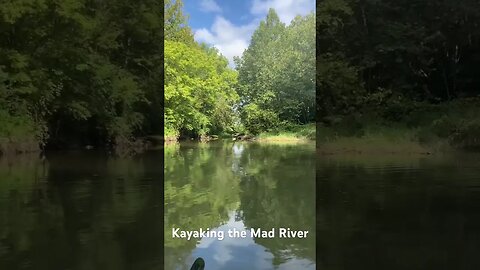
{"x":398,"y":211}
{"x":88,"y":210}
{"x":82,"y":210}
{"x":241,"y":186}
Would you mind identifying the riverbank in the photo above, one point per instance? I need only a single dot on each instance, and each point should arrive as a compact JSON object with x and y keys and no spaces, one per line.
{"x":286,"y":134}
{"x":377,"y":144}
{"x":374,"y":140}
{"x":10,"y":146}
{"x":18,"y":135}
{"x":293,"y":133}
{"x":437,"y":137}
{"x":422,"y":128}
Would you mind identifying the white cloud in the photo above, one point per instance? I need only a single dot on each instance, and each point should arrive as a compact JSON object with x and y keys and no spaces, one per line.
{"x":210,"y":6}
{"x":229,"y":39}
{"x":286,"y":9}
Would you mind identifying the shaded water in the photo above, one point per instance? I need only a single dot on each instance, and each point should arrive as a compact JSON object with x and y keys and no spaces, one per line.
{"x":221,"y":186}
{"x":90,"y":211}
{"x":398,"y":212}
{"x":81,"y":211}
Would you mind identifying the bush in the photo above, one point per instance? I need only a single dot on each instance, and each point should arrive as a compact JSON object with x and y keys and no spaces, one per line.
{"x":171,"y":134}
{"x":388,"y":104}
{"x":308,"y":131}
{"x":445,"y":126}
{"x":258,"y":120}
{"x":467,"y":135}
{"x":19,"y":134}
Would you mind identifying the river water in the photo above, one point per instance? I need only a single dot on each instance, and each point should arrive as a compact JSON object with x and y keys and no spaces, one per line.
{"x":81,"y":211}
{"x":87,"y":210}
{"x":241,"y":186}
{"x":398,"y":212}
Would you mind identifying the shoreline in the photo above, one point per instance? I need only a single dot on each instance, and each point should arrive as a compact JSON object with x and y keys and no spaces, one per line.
{"x":275,"y":139}
{"x":361,"y":146}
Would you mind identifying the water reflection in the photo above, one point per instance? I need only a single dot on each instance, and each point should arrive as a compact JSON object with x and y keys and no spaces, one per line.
{"x":241,"y":186}
{"x":241,"y":253}
{"x":90,"y":211}
{"x":81,"y":211}
{"x":398,"y":212}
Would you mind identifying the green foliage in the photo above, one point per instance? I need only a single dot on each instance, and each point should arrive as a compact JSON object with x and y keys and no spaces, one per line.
{"x":277,"y":74}
{"x":87,"y":63}
{"x":398,"y":45}
{"x":388,"y":105}
{"x":290,"y":132}
{"x":199,"y":90}
{"x":176,"y":28}
{"x":445,"y":126}
{"x":467,"y":136}
{"x":257,"y":120}
{"x":339,"y":90}
{"x":19,"y":134}
{"x":399,"y":63}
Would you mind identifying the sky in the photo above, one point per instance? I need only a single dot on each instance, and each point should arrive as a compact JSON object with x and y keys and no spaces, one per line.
{"x":229,"y":24}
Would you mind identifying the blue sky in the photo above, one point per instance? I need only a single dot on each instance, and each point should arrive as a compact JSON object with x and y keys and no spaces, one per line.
{"x":229,"y":24}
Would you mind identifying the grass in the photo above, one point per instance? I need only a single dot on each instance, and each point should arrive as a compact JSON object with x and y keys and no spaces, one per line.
{"x":377,"y":140}
{"x":429,"y":128}
{"x":17,"y":134}
{"x":290,"y":133}
{"x":377,"y":144}
{"x":171,"y":135}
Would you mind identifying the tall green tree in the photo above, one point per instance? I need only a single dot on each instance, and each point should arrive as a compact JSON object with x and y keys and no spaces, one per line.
{"x":395,"y":53}
{"x":199,"y":90}
{"x":277,"y":74}
{"x":176,"y":27}
{"x":83,"y":72}
{"x":339,"y":88}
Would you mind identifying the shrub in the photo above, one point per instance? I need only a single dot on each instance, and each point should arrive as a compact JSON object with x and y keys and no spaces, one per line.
{"x":19,"y":134}
{"x":467,"y":135}
{"x":258,"y":120}
{"x":445,"y":126}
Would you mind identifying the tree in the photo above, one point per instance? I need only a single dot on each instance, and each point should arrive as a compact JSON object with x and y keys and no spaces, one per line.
{"x":176,"y":28}
{"x":413,"y":51}
{"x":277,"y":74}
{"x":81,"y":71}
{"x":199,"y":90}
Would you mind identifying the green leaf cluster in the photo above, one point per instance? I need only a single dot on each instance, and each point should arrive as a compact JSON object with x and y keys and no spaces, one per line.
{"x":199,"y":90}
{"x":277,"y":74}
{"x":404,"y":51}
{"x":77,"y":68}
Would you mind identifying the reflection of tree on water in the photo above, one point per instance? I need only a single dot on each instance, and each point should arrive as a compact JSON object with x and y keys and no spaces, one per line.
{"x":200,"y":191}
{"x":237,"y":150}
{"x":81,"y":212}
{"x":399,"y":212}
{"x":278,"y":190}
{"x":265,"y":186}
{"x":75,"y":211}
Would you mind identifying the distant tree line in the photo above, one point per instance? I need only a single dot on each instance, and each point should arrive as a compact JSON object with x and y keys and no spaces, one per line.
{"x":79,"y":72}
{"x":88,"y":72}
{"x":387,"y":55}
{"x":273,"y":82}
{"x":199,"y":86}
{"x":277,"y":74}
